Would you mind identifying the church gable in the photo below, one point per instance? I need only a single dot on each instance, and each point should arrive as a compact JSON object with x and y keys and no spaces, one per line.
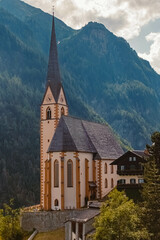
{"x":48,"y":97}
{"x":62,"y":98}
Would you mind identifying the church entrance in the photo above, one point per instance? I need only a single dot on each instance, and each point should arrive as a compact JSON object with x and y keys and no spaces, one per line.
{"x":92,"y":190}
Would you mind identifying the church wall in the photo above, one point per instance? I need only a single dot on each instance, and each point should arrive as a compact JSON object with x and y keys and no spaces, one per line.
{"x":69,"y":192}
{"x":111,"y":174}
{"x":82,"y":157}
{"x":55,"y":191}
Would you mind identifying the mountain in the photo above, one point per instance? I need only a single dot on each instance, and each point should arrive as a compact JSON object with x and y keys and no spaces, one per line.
{"x":114,"y":81}
{"x":103,"y":77}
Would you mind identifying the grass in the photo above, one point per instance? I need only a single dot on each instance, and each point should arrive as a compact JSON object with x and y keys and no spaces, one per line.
{"x":55,"y":235}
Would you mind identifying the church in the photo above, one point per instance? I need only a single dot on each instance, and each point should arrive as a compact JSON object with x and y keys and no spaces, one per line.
{"x":75,"y":155}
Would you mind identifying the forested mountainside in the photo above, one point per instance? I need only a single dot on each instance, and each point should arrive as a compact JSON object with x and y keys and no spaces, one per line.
{"x":103,"y":77}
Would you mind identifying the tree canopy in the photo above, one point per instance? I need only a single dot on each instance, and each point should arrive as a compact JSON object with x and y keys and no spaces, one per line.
{"x":119,"y":219}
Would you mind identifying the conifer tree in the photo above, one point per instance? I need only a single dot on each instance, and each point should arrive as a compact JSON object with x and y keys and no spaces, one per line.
{"x":151,"y":188}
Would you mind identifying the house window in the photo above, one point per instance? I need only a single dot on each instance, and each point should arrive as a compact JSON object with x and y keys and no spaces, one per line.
{"x":56,"y":203}
{"x":105,"y":168}
{"x":132,"y":167}
{"x":62,"y":111}
{"x":122,"y":181}
{"x":48,"y":113}
{"x":134,"y":159}
{"x":140,"y":181}
{"x":112,"y":170}
{"x":130,"y":159}
{"x":112,"y":183}
{"x":122,"y":167}
{"x":56,"y":173}
{"x":106,"y":183}
{"x":69,"y":173}
{"x":132,"y":181}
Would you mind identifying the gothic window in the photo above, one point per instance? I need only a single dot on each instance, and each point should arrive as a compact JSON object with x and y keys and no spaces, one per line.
{"x":56,"y":203}
{"x":48,"y":113}
{"x":112,"y":183}
{"x":56,"y":173}
{"x":106,"y":183}
{"x":69,"y":173}
{"x":105,"y":168}
{"x":62,"y":111}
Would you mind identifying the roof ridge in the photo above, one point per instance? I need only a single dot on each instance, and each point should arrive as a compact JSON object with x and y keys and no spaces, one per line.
{"x":69,"y":134}
{"x":88,"y":136}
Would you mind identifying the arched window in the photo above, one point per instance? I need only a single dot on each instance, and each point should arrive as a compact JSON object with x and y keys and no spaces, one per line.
{"x":105,"y":168}
{"x":56,"y":203}
{"x":106,"y":183}
{"x":56,"y":173}
{"x":48,"y":113}
{"x":62,"y":111}
{"x":69,"y":173}
{"x":112,"y":169}
{"x":112,"y":183}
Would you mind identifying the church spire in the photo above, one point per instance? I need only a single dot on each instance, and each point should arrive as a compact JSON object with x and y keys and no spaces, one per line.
{"x":53,"y":74}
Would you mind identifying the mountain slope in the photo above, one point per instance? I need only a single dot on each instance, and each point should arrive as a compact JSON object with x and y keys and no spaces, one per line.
{"x":111,"y":78}
{"x":102,"y":76}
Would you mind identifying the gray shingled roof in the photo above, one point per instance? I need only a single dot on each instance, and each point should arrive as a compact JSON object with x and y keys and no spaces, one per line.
{"x":85,"y":215}
{"x":74,"y":134}
{"x":53,"y":74}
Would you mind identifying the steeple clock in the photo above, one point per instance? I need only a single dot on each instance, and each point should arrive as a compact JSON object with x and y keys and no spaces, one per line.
{"x":54,"y":105}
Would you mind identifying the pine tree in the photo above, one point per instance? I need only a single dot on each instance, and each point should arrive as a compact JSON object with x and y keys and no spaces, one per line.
{"x":151,"y":196}
{"x":151,"y":188}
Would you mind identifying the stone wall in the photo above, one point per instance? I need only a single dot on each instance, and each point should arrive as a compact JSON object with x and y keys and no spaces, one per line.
{"x":45,"y":221}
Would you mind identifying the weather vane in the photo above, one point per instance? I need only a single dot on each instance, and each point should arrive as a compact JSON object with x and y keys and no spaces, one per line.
{"x":53,"y":7}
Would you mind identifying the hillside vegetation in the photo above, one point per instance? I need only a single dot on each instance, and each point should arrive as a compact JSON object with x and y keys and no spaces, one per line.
{"x":103,"y":78}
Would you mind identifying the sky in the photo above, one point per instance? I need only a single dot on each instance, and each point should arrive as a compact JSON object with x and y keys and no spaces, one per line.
{"x":138,"y":21}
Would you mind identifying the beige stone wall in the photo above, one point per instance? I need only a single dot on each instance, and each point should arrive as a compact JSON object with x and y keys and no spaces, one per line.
{"x":109,"y":175}
{"x":47,"y":130}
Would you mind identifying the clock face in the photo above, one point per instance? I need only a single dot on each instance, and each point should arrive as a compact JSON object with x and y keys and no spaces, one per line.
{"x":62,"y":99}
{"x":49,"y":98}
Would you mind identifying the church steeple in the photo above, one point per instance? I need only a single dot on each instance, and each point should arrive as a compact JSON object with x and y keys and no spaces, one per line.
{"x":53,"y":74}
{"x":53,"y":106}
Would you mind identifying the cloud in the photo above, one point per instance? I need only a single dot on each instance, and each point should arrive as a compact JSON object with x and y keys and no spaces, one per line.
{"x":154,"y":54}
{"x":123,"y":17}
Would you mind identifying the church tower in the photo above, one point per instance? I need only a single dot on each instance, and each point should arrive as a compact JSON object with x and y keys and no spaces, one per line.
{"x":54,"y":105}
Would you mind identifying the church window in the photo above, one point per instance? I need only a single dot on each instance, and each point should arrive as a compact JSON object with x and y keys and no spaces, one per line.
{"x":106,"y":183}
{"x":112,"y":183}
{"x":56,"y":203}
{"x":62,"y":111}
{"x":112,"y":169}
{"x":105,"y":168}
{"x":48,"y":113}
{"x":69,"y":173}
{"x":56,"y":173}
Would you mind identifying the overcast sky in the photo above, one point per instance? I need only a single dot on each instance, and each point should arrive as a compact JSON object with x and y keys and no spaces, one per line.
{"x":138,"y":21}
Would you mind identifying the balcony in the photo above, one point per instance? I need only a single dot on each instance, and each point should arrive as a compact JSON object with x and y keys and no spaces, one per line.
{"x":129,"y":185}
{"x":130,"y":172}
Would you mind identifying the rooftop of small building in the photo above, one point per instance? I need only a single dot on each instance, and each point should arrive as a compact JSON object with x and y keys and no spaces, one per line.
{"x":85,"y":215}
{"x":77,"y":135}
{"x":141,"y":154}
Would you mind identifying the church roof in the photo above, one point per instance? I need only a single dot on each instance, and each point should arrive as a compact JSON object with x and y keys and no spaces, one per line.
{"x":53,"y":74}
{"x":78,"y":135}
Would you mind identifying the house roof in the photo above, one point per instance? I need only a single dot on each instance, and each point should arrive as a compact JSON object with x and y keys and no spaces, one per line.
{"x":141,"y":154}
{"x":74,"y":134}
{"x":53,"y":74}
{"x":85,"y":215}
